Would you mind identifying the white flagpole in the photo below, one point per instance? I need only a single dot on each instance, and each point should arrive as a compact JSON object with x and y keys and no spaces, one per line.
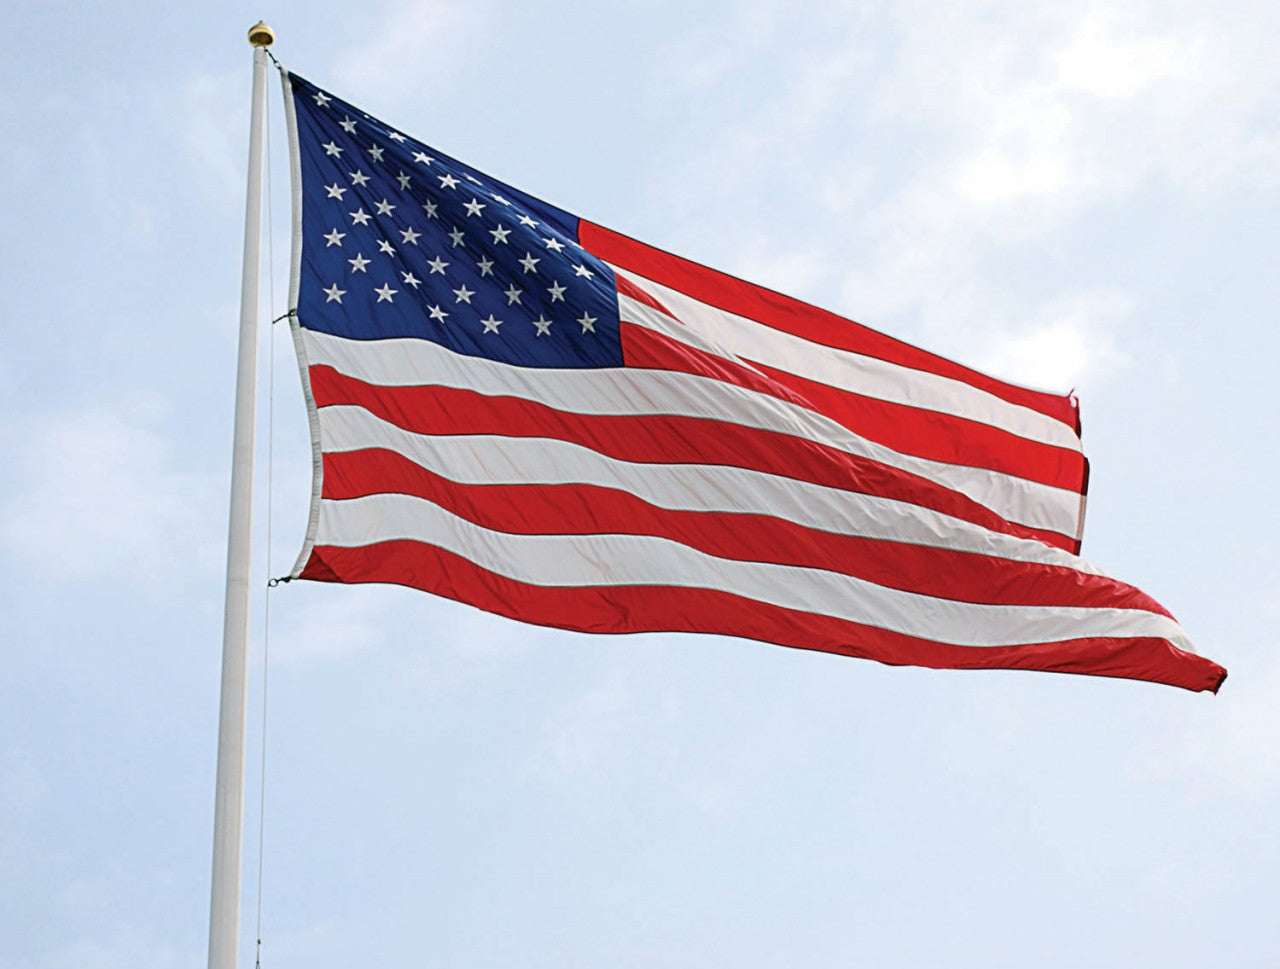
{"x":228,"y":811}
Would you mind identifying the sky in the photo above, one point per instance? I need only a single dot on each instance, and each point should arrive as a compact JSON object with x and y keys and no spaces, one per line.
{"x":1078,"y":195}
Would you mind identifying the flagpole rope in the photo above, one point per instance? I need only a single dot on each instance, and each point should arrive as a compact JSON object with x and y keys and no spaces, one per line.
{"x":266,"y":613}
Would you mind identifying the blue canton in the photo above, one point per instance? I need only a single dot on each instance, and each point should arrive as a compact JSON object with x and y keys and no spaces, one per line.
{"x":400,"y":240}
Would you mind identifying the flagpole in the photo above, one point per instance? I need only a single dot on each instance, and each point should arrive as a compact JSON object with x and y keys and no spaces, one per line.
{"x":228,"y":811}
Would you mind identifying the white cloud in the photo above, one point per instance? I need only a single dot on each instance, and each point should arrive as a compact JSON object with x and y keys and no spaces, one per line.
{"x":98,"y":492}
{"x":214,"y":109}
{"x":411,"y":45}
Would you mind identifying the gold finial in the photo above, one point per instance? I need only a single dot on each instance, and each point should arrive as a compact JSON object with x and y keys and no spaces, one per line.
{"x":260,"y":35}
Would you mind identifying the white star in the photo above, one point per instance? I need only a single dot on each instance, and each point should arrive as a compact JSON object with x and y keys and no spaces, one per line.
{"x":332,"y":149}
{"x":473,"y":207}
{"x":322,"y":99}
{"x":530,"y":261}
{"x":335,"y":191}
{"x":334,"y":293}
{"x":384,"y":207}
{"x":396,"y":136}
{"x":473,"y":180}
{"x":464,"y":295}
{"x":491,"y":324}
{"x":436,"y":313}
{"x":499,"y":234}
{"x":360,"y":216}
{"x":385,"y":246}
{"x":543,"y":325}
{"x":411,"y":280}
{"x":386,"y":292}
{"x":423,"y":157}
{"x":348,"y":125}
{"x":335,"y":238}
{"x":437,"y":265}
{"x":525,"y":220}
{"x":485,"y":266}
{"x":447,"y":180}
{"x":456,"y":236}
{"x":358,"y":177}
{"x":430,"y":208}
{"x":557,"y":292}
{"x":403,"y":179}
{"x":588,"y":323}
{"x":358,"y":263}
{"x":512,"y":294}
{"x":583,"y":271}
{"x":376,"y":152}
{"x":499,"y":199}
{"x":409,"y":236}
{"x":554,"y":243}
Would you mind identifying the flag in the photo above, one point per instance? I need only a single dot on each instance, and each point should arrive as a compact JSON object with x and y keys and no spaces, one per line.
{"x":519,"y":409}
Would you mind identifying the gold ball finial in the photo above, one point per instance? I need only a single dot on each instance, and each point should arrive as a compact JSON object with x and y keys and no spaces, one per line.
{"x":260,"y":35}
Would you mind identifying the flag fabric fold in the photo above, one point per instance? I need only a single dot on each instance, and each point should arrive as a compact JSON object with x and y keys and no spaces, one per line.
{"x":522,"y":410}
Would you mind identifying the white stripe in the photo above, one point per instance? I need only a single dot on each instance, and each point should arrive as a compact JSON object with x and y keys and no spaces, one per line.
{"x":627,"y":560}
{"x":490,"y":460}
{"x":634,"y":392}
{"x":869,"y":376}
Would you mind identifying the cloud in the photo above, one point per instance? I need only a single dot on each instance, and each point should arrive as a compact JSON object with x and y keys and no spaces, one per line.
{"x":215,"y":132}
{"x":411,"y":46}
{"x":98,"y":492}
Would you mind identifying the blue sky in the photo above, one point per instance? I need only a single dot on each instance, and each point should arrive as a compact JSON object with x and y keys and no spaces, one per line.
{"x":1069,"y":195}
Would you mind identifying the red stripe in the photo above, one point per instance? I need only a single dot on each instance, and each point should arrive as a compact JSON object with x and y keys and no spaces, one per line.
{"x":579,"y":509}
{"x":905,"y":429}
{"x":793,"y":316}
{"x":630,"y":609}
{"x":651,"y":439}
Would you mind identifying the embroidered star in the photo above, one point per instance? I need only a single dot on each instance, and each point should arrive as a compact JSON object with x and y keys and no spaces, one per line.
{"x":530,"y":261}
{"x":588,"y":323}
{"x":385,"y":246}
{"x":335,"y":238}
{"x":403,"y":179}
{"x":557,"y":292}
{"x":332,"y":149}
{"x":384,"y":207}
{"x":491,"y":324}
{"x":464,"y":295}
{"x":485,"y":266}
{"x":525,"y":220}
{"x":409,"y":236}
{"x":358,"y":263}
{"x":396,"y":136}
{"x":583,"y":271}
{"x":543,"y":325}
{"x":554,"y":243}
{"x":473,"y":207}
{"x":386,"y":292}
{"x":447,"y":180}
{"x":348,"y":125}
{"x":334,"y":293}
{"x":500,"y":234}
{"x":430,"y":208}
{"x":437,"y":265}
{"x":411,"y":280}
{"x":358,"y":177}
{"x":436,"y":313}
{"x":456,"y":236}
{"x":322,"y":99}
{"x":423,"y":157}
{"x":360,"y":216}
{"x":512,"y":294}
{"x":335,"y":191}
{"x":376,"y":153}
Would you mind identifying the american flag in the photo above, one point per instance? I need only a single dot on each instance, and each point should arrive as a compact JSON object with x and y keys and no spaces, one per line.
{"x":521,"y":410}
